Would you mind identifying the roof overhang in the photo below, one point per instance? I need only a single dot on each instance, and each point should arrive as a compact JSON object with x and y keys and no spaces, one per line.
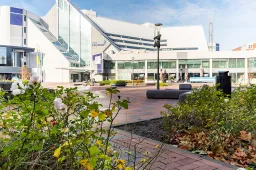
{"x":25,"y":49}
{"x":77,"y":69}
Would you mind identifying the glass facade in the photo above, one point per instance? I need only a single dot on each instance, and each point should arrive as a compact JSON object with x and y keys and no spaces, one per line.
{"x":252,"y":63}
{"x":165,"y":64}
{"x":109,"y":64}
{"x":228,"y":63}
{"x":3,"y":55}
{"x":193,"y":63}
{"x":130,"y":64}
{"x":74,"y":33}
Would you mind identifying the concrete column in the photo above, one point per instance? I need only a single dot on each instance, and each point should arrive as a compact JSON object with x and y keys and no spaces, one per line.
{"x":246,"y":80}
{"x":177,"y":70}
{"x":116,"y":69}
{"x":210,"y":69}
{"x":146,"y":71}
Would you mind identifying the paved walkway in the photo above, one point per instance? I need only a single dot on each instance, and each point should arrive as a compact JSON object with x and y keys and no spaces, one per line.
{"x":141,"y":108}
{"x":167,"y":156}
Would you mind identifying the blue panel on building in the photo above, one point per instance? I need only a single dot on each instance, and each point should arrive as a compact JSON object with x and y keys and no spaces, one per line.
{"x":16,"y":19}
{"x":217,"y":47}
{"x":16,"y":10}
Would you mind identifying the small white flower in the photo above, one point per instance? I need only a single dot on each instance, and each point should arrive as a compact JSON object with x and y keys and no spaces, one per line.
{"x":226,"y":100}
{"x":14,"y":86}
{"x":58,"y":103}
{"x":17,"y":85}
{"x":34,"y":79}
{"x":64,"y":95}
{"x":17,"y":92}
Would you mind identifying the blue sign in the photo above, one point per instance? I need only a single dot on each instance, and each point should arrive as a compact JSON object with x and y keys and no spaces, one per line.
{"x":203,"y":79}
{"x":96,"y":44}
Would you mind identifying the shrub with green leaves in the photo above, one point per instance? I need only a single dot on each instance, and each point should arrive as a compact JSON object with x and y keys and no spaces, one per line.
{"x":57,"y":129}
{"x":208,"y":110}
{"x":119,"y":82}
{"x":105,"y":82}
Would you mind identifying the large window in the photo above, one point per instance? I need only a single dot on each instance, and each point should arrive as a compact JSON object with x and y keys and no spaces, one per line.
{"x":121,"y":65}
{"x":240,"y":63}
{"x":205,"y":64}
{"x":139,"y":65}
{"x":220,"y":63}
{"x":168,"y":64}
{"x":191,"y":63}
{"x":109,"y":64}
{"x":152,"y":65}
{"x":151,"y":76}
{"x":3,"y":55}
{"x":232,"y":63}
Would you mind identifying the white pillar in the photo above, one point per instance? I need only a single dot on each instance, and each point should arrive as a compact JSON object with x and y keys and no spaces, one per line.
{"x":210,"y":68}
{"x":116,"y":69}
{"x":146,"y":71}
{"x":177,"y":70}
{"x":246,"y":80}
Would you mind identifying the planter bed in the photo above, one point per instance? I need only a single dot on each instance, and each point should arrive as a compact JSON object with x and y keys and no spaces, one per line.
{"x":154,"y":129}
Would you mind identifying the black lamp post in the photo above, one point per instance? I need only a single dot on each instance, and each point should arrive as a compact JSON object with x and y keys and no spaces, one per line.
{"x":157,"y":39}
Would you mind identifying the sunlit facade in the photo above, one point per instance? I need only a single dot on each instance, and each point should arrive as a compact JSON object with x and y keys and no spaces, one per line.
{"x":76,"y":45}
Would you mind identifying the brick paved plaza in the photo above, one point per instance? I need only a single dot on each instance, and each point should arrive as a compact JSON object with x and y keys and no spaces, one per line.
{"x":142,"y":108}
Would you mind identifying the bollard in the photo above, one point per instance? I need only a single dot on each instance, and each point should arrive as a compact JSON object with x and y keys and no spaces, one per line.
{"x":224,"y":82}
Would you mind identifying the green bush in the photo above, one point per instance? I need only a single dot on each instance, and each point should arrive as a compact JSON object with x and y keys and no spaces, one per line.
{"x":134,"y":81}
{"x":119,"y":82}
{"x":105,"y":82}
{"x":40,"y":129}
{"x":162,"y":84}
{"x":209,"y":111}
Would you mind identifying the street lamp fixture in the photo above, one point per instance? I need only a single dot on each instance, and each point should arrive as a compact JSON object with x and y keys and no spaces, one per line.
{"x":157,"y":44}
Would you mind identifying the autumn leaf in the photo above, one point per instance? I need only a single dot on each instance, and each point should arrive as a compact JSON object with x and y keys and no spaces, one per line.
{"x":57,"y":152}
{"x":245,"y":136}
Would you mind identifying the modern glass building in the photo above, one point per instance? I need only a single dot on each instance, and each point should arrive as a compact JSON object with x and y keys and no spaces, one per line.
{"x":78,"y":45}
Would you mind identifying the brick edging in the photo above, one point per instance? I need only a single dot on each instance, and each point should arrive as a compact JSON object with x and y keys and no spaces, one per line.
{"x":181,"y":151}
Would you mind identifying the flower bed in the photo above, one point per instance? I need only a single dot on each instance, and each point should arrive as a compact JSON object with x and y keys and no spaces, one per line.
{"x":60,"y":129}
{"x":209,"y":122}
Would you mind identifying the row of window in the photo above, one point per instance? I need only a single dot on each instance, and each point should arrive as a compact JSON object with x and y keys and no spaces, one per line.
{"x":228,"y":63}
{"x":131,"y":65}
{"x":162,"y":64}
{"x":171,"y":64}
{"x":134,"y":38}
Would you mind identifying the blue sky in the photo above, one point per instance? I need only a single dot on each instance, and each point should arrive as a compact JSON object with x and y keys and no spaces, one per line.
{"x":234,"y":20}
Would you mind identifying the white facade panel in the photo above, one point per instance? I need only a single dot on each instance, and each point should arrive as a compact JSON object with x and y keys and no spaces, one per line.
{"x":5,"y":25}
{"x":51,"y":18}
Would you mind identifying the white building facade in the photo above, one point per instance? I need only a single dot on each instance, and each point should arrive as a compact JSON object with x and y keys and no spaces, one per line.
{"x":73,"y":45}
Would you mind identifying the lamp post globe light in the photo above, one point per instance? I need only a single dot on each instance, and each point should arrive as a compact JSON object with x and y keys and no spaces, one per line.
{"x":157,"y":40}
